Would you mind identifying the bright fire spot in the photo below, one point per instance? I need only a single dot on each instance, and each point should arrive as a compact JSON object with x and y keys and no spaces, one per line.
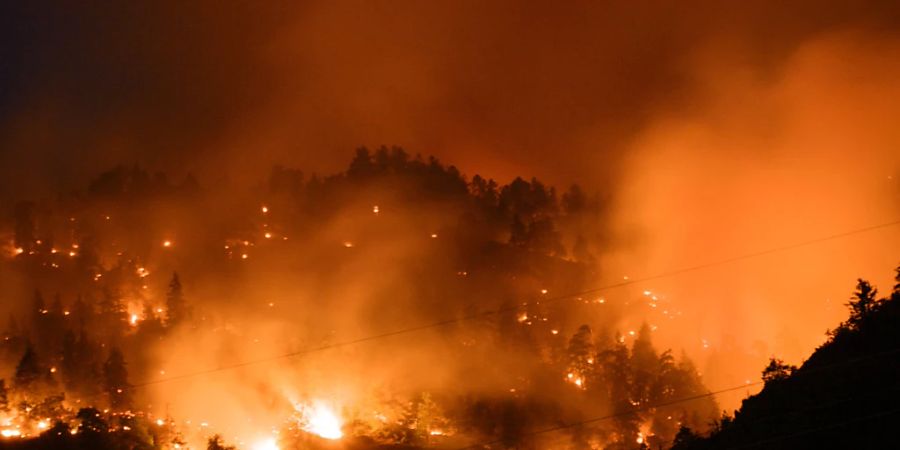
{"x":543,"y":291}
{"x":266,"y":444}
{"x":19,"y":251}
{"x":348,"y":244}
{"x":10,"y":433}
{"x":433,"y":235}
{"x":264,"y":209}
{"x":375,"y":209}
{"x":320,"y":420}
{"x":244,"y":256}
{"x":72,"y":253}
{"x":42,"y":425}
{"x":167,"y":243}
{"x":640,"y":438}
{"x":268,"y":235}
{"x":436,"y":433}
{"x":160,"y":422}
{"x":133,"y":320}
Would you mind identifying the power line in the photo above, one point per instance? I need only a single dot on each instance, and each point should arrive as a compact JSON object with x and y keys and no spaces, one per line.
{"x":499,"y":311}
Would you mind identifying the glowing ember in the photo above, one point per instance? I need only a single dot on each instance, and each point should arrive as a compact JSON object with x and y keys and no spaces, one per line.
{"x":320,"y":420}
{"x":348,"y":244}
{"x":265,"y":209}
{"x":375,"y":209}
{"x":268,"y":235}
{"x":167,"y":243}
{"x":133,"y":320}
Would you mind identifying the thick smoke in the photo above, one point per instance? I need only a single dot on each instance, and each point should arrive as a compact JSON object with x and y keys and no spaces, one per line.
{"x":713,"y":133}
{"x":770,"y":160}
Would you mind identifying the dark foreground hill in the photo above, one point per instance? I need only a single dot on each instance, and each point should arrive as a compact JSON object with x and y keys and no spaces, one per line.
{"x":846,"y":395}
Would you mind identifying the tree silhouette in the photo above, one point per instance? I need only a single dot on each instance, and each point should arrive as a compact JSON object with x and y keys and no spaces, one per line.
{"x":29,"y":372}
{"x":217,"y":443}
{"x":862,"y":303}
{"x":177,"y":310}
{"x":644,"y":364}
{"x":777,"y":370}
{"x":115,"y":381}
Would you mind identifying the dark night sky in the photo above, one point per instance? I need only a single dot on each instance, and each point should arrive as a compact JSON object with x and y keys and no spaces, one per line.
{"x":229,"y":87}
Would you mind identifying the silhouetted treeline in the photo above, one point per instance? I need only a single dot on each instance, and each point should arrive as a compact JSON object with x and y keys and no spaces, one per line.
{"x":80,"y":338}
{"x":846,"y":395}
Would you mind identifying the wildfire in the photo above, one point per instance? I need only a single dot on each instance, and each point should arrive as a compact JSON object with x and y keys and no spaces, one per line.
{"x":266,"y":444}
{"x":320,"y":420}
{"x":167,"y":243}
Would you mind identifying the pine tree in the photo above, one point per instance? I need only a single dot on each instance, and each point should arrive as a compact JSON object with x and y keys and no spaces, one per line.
{"x":115,"y":381}
{"x":862,"y":303}
{"x":30,"y":374}
{"x":616,"y":366}
{"x":177,"y":310}
{"x":645,"y":365}
{"x":581,"y":353}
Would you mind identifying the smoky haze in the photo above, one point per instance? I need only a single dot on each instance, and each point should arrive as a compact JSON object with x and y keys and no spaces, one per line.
{"x":499,"y":88}
{"x":709,"y":132}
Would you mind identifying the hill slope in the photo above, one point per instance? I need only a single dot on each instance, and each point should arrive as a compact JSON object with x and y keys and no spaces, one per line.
{"x":846,"y":395}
